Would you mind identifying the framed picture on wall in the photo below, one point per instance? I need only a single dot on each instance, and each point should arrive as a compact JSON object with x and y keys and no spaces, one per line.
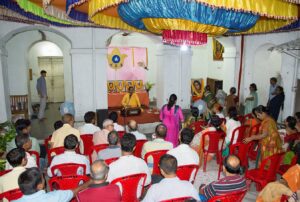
{"x":218,"y":50}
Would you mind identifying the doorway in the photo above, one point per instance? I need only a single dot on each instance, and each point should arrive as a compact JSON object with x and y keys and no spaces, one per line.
{"x":55,"y":77}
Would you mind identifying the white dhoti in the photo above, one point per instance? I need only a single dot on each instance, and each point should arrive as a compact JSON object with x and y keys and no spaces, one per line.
{"x":43,"y":102}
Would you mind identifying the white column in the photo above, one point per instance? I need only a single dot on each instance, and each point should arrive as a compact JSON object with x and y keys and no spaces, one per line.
{"x":89,"y":80}
{"x":173,"y":75}
{"x":5,"y":113}
{"x":82,"y":73}
{"x":100,"y":79}
{"x":229,"y":69}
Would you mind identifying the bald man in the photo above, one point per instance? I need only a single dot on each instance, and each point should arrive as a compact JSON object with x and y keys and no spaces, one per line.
{"x":232,"y":181}
{"x":58,"y":136}
{"x":99,"y":187}
{"x":133,"y":129}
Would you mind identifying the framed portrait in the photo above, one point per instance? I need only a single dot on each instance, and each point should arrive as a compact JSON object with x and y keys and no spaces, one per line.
{"x":110,"y":87}
{"x":218,"y":50}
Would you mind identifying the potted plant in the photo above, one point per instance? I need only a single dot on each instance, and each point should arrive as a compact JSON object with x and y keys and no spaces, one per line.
{"x":148,"y":86}
{"x":7,"y":134}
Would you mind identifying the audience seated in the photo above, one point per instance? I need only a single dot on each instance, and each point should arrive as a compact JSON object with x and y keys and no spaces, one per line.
{"x":171,"y":186}
{"x":159,"y":143}
{"x":99,"y":188}
{"x":218,"y":110}
{"x":113,"y":150}
{"x":60,"y":134}
{"x":23,"y":126}
{"x":17,"y":159}
{"x":289,"y":185}
{"x":70,"y":156}
{"x":23,"y":141}
{"x":128,"y":164}
{"x":100,"y":137}
{"x":89,"y":126}
{"x":114,"y":117}
{"x":184,"y":154}
{"x":32,"y":185}
{"x":196,"y":144}
{"x":133,"y":129}
{"x":232,"y":181}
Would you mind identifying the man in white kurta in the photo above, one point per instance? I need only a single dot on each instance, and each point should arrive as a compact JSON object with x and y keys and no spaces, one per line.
{"x":171,"y":186}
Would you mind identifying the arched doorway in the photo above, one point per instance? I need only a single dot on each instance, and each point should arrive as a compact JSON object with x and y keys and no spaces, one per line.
{"x":46,"y":56}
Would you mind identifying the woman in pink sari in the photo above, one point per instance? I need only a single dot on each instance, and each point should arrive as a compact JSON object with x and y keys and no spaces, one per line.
{"x":171,"y":115}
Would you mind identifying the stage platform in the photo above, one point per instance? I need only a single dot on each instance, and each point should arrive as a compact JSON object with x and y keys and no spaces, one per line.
{"x":147,"y":120}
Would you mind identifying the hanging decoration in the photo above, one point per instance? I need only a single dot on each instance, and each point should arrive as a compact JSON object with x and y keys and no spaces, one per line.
{"x":178,"y":21}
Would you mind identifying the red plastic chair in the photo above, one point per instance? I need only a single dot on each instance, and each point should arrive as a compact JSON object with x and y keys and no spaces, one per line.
{"x":138,"y":148}
{"x":67,"y":169}
{"x":11,"y":195}
{"x":187,"y":172}
{"x":284,"y":198}
{"x":180,"y":199}
{"x":97,"y":148}
{"x":54,"y":151}
{"x":3,"y":172}
{"x":213,"y":145}
{"x":198,"y":126}
{"x":129,"y":186}
{"x":254,"y":147}
{"x":241,"y":119}
{"x":121,"y":134}
{"x":283,"y":168}
{"x":109,"y":161}
{"x":67,"y":182}
{"x":266,"y":172}
{"x":156,"y":156}
{"x":248,"y":116}
{"x":241,"y":150}
{"x":36,"y":156}
{"x":87,"y":140}
{"x":46,"y":143}
{"x":240,"y":133}
{"x":230,"y":197}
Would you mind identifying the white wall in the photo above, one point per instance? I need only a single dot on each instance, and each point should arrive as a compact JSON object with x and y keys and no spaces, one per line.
{"x":256,"y":46}
{"x":40,"y":49}
{"x":203,"y":65}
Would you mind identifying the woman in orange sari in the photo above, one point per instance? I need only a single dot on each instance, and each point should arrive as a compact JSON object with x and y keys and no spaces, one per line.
{"x":251,"y":122}
{"x":268,"y":136}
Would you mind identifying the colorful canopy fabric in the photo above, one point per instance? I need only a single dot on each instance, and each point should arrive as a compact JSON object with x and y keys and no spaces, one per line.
{"x":211,"y":17}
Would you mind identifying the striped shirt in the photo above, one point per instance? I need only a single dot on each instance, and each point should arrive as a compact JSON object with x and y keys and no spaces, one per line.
{"x":225,"y":185}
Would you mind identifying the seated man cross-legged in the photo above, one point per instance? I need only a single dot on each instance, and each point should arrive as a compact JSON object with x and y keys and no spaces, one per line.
{"x":131,"y":99}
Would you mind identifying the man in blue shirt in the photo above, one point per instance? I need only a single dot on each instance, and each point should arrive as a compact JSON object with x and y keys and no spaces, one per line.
{"x":41,"y":88}
{"x":32,"y":184}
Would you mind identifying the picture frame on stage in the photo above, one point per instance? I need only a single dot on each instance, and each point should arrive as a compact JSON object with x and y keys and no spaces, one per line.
{"x":119,"y":85}
{"x":110,"y":87}
{"x":128,"y":84}
{"x":139,"y":85}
